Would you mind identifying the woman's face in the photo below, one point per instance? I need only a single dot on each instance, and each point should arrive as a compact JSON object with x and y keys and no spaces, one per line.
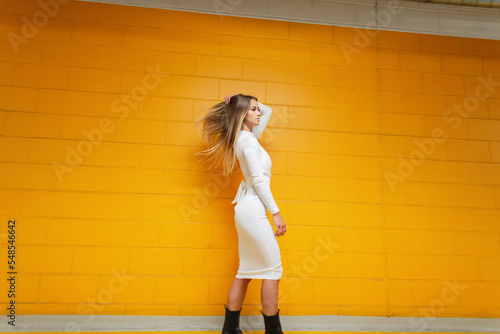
{"x":252,"y":117}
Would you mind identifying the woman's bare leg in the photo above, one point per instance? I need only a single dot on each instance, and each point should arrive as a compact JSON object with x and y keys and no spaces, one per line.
{"x":237,"y":293}
{"x":269,"y":296}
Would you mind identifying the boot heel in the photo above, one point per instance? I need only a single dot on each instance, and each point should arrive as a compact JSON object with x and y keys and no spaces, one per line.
{"x":232,"y":322}
{"x":272,"y":323}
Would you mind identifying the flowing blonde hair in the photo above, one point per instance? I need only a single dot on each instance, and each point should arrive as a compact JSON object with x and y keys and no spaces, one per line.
{"x":220,"y":128}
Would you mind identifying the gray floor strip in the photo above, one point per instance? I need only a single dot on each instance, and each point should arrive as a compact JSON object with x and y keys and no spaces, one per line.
{"x":108,"y":323}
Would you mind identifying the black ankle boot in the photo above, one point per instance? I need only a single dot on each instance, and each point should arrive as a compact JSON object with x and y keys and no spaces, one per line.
{"x":232,"y":322}
{"x":272,"y":323}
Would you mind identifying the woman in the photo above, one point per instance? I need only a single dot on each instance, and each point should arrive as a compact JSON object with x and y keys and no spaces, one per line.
{"x":231,"y":129}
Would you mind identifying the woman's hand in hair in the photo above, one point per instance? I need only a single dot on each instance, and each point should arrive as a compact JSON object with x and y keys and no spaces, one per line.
{"x":227,"y":98}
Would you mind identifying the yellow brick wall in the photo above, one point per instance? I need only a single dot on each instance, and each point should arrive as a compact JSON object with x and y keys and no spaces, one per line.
{"x":385,"y":149}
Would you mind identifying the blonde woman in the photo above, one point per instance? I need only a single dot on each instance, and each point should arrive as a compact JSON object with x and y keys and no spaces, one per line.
{"x":231,"y":129}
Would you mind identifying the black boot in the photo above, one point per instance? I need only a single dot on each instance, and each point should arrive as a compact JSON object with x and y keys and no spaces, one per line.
{"x":232,"y":322}
{"x":272,"y":323}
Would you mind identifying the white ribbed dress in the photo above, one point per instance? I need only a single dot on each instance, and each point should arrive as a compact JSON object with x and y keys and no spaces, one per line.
{"x":258,"y":248}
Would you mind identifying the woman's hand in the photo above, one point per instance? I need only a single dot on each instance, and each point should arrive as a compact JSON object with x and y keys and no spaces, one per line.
{"x":227,"y":98}
{"x":280,"y":224}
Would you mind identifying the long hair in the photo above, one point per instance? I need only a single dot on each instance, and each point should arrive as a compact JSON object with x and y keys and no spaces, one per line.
{"x":220,"y":128}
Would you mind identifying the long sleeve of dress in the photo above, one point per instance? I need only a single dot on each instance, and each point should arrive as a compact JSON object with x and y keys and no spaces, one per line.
{"x":251,"y":153}
{"x":264,"y":119}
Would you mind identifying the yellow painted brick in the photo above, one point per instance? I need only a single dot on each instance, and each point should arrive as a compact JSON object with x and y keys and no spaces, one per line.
{"x":480,"y":47}
{"x":490,"y":268}
{"x":368,"y":145}
{"x":209,"y":262}
{"x":100,"y":260}
{"x":148,"y":38}
{"x":43,"y":259}
{"x":11,"y":202}
{"x":94,"y":80}
{"x":473,"y":195}
{"x":420,"y":61}
{"x":167,"y":290}
{"x":311,"y":118}
{"x":253,"y":88}
{"x":298,"y":238}
{"x":490,"y":65}
{"x":356,"y":167}
{"x":218,"y":67}
{"x":402,"y":169}
{"x":333,"y":142}
{"x":353,"y":37}
{"x":309,"y":164}
{"x":96,"y":33}
{"x":469,"y":268}
{"x":41,"y":203}
{"x":169,"y":109}
{"x":430,"y":104}
{"x":391,"y":102}
{"x":6,"y":77}
{"x":122,"y":289}
{"x":181,"y":133}
{"x":172,"y":19}
{"x":468,"y":150}
{"x":115,"y":206}
{"x":441,"y":128}
{"x":140,"y":131}
{"x":219,"y":24}
{"x":400,"y":293}
{"x":265,"y":28}
{"x":415,"y":216}
{"x":265,"y":70}
{"x":399,"y":40}
{"x":32,"y":230}
{"x":355,"y":214}
{"x":18,"y":99}
{"x":156,"y":261}
{"x":437,"y":43}
{"x":287,"y":50}
{"x":28,"y":176}
{"x":448,"y":171}
{"x":134,"y":180}
{"x":442,"y":83}
{"x":403,"y":266}
{"x":10,"y":24}
{"x":27,"y":52}
{"x":116,"y":58}
{"x":42,"y":76}
{"x":327,"y":53}
{"x":82,"y":287}
{"x":63,"y":102}
{"x":183,"y":182}
{"x":484,"y":129}
{"x":369,"y":191}
{"x":371,"y":240}
{"x":462,"y":64}
{"x":401,"y":124}
{"x":426,"y":193}
{"x":334,"y":97}
{"x":84,"y":128}
{"x":140,"y":85}
{"x":223,"y":236}
{"x":356,"y":121}
{"x":355,"y":77}
{"x":171,"y":62}
{"x":124,"y":14}
{"x":14,"y":149}
{"x":485,"y":173}
{"x":299,"y":296}
{"x":289,"y":140}
{"x":218,"y":288}
{"x":406,"y":81}
{"x":113,"y":155}
{"x":128,"y":233}
{"x":311,"y":74}
{"x":494,"y":108}
{"x":31,"y":287}
{"x":469,"y":108}
{"x":330,"y":291}
{"x":73,"y":232}
{"x":388,"y":59}
{"x":193,"y":87}
{"x":69,"y":54}
{"x":196,"y":42}
{"x":333,"y":189}
{"x":373,"y":265}
{"x":495,"y":152}
{"x":366,"y":100}
{"x":114,"y":106}
{"x":55,"y":30}
{"x":310,"y":32}
{"x":162,"y":207}
{"x":242,"y":46}
{"x":162,"y":156}
{"x":289,"y":94}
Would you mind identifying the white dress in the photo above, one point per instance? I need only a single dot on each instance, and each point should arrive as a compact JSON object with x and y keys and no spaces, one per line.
{"x":259,"y":252}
